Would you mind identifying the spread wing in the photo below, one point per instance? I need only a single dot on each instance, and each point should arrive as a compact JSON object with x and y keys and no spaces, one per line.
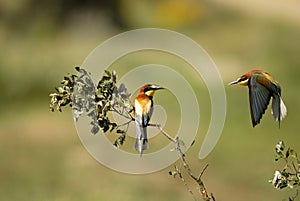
{"x":259,"y":97}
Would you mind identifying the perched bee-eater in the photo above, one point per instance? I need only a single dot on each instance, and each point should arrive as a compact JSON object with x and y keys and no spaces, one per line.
{"x":143,"y":104}
{"x":262,"y":86}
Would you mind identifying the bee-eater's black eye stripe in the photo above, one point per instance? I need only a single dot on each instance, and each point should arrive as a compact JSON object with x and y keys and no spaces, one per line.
{"x":242,"y":79}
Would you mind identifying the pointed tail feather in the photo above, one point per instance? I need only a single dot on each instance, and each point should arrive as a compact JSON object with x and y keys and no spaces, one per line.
{"x":279,"y":110}
{"x":141,"y":142}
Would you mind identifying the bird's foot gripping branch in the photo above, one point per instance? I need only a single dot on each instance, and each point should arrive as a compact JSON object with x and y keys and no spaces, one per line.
{"x":100,"y":101}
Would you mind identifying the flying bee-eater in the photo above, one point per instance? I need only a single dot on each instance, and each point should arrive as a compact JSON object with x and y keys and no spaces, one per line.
{"x":143,"y":104}
{"x":262,"y":86}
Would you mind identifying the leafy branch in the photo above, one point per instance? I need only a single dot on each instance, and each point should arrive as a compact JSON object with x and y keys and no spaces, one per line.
{"x":99,"y":102}
{"x":289,"y":175}
{"x":79,"y":92}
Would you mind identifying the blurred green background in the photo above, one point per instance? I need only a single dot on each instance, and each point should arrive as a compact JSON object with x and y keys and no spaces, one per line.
{"x":42,"y":157}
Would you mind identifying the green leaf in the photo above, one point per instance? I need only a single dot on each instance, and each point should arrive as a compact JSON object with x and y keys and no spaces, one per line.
{"x":290,"y":185}
{"x":77,"y":68}
{"x":293,"y":153}
{"x":121,"y":139}
{"x":105,"y":128}
{"x":113,"y":126}
{"x":95,"y":129}
{"x":121,"y":88}
{"x":120,"y":131}
{"x":287,"y":154}
{"x":114,"y":76}
{"x":181,"y":143}
{"x":278,"y":156}
{"x":280,"y":146}
{"x":116,"y":144}
{"x":173,"y":173}
{"x":107,"y":73}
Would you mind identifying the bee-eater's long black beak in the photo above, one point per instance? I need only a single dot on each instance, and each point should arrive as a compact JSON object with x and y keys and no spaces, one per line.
{"x":156,"y":87}
{"x":234,"y":82}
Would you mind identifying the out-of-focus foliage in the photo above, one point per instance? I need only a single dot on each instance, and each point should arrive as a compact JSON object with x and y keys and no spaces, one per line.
{"x":289,"y":175}
{"x":166,"y":13}
{"x":56,"y":12}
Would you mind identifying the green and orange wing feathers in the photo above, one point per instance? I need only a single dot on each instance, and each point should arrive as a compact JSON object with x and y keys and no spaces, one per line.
{"x":259,"y":96}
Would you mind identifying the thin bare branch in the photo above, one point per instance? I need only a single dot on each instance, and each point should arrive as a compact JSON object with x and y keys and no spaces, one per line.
{"x":185,"y":183}
{"x":203,"y":170}
{"x":125,"y":124}
{"x":122,"y":114}
{"x":202,"y":190}
{"x":163,"y":132}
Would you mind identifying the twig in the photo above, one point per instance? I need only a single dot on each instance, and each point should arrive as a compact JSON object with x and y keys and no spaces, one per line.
{"x":185,"y":183}
{"x":296,"y":195}
{"x":202,"y":189}
{"x":122,"y":114}
{"x":163,"y":132}
{"x":126,"y":123}
{"x":203,"y":170}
